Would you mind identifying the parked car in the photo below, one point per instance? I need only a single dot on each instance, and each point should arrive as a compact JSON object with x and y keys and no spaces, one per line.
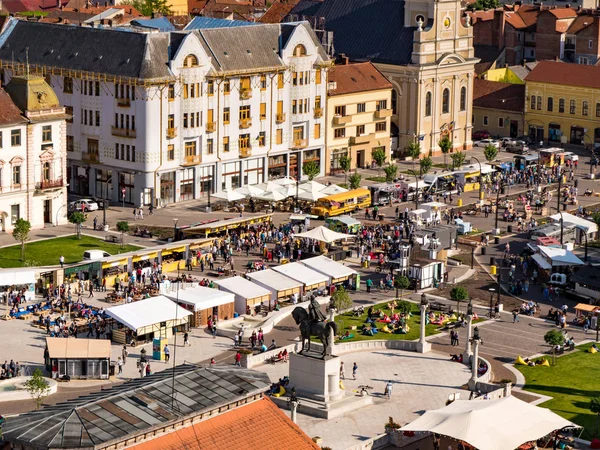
{"x":481,"y":134}
{"x":517,"y":149}
{"x":570,"y":156}
{"x":506,"y":141}
{"x":527,"y":140}
{"x":83,"y":205}
{"x":100,"y":202}
{"x":486,"y":142}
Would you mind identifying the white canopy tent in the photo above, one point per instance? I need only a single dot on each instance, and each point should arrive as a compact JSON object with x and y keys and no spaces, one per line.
{"x":148,"y":313}
{"x":541,"y":262}
{"x":247,"y":294}
{"x":10,"y":277}
{"x":308,"y":277}
{"x":288,"y":190}
{"x":323,"y":234}
{"x":201,"y":297}
{"x":335,"y":271}
{"x":279,"y":285}
{"x":490,"y":424}
{"x":569,"y":219}
{"x":268,"y":186}
{"x":560,"y":256}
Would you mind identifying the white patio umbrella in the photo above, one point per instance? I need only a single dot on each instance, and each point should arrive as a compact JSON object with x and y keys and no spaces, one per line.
{"x":268,"y":186}
{"x":285,"y":181}
{"x":324,"y":234}
{"x":312,"y":186}
{"x":230,"y":196}
{"x":273,"y":196}
{"x":249,"y":191}
{"x":288,"y":191}
{"x":311,"y":195}
{"x":333,"y":189}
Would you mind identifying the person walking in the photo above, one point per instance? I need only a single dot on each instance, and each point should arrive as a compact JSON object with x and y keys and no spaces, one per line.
{"x":186,"y":339}
{"x":354,"y":370}
{"x":124,"y":354}
{"x":342,"y":375}
{"x":120,"y":365}
{"x":238,"y":359}
{"x":388,"y":389}
{"x":369,"y":283}
{"x":167,"y":353}
{"x":515,"y":316}
{"x":91,"y":289}
{"x":61,"y":259}
{"x":452,"y":338}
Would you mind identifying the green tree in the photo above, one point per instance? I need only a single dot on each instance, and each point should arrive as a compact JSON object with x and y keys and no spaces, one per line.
{"x":390,"y":172}
{"x":147,"y":7}
{"x":458,"y":159}
{"x":414,"y":151}
{"x":77,"y":218}
{"x":37,"y":387}
{"x":400,"y":283}
{"x":379,"y":157}
{"x":596,"y":218}
{"x":311,"y":169}
{"x":355,"y":180}
{"x":341,"y":301}
{"x":123,"y":227}
{"x":445,"y":145}
{"x":404,"y":306}
{"x":490,"y":152}
{"x":21,"y":234}
{"x":595,"y":408}
{"x":554,"y":338}
{"x":483,"y":4}
{"x":345,"y":163}
{"x":425,"y":165}
{"x":459,"y":294}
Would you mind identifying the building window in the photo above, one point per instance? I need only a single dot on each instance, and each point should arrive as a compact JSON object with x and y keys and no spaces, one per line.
{"x":185,"y":120}
{"x":572,"y":107}
{"x":280,"y":81}
{"x":340,"y":111}
{"x":361,"y":107}
{"x":210,"y":146}
{"x":15,"y":213}
{"x":294,"y":78}
{"x":381,"y":104}
{"x":69,"y":112}
{"x":318,"y":77}
{"x":584,"y":60}
{"x":317,"y":131}
{"x":16,"y":175}
{"x":47,"y":133}
{"x":539,"y":103}
{"x":226,"y":143}
{"x":46,"y":174}
{"x":226,"y":87}
{"x":463,"y":98}
{"x":500,"y":122}
{"x":263,"y":111}
{"x":68,"y":85}
{"x":171,"y":121}
{"x":550,"y":105}
{"x":210,"y":88}
{"x":380,"y":126}
{"x":360,"y":130}
{"x":300,"y":50}
{"x":15,"y":138}
{"x":186,"y":91}
{"x":598,"y":109}
{"x":485,"y":120}
{"x":263,"y":82}
{"x":561,"y":105}
{"x":428,"y":104}
{"x":171,"y":152}
{"x":339,"y":133}
{"x":261,"y":139}
{"x":225,"y":115}
{"x":584,"y":108}
{"x":190,"y":61}
{"x":190,"y":148}
{"x":244,"y":142}
{"x":532,"y":107}
{"x":279,"y":136}
{"x":446,"y":101}
{"x":98,"y":120}
{"x":245,"y":111}
{"x":590,"y":43}
{"x":70,"y":144}
{"x":171,"y":95}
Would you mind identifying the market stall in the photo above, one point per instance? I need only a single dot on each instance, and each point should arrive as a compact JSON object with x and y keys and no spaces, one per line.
{"x":219,"y":227}
{"x":311,"y":279}
{"x":204,"y":303}
{"x":336,"y":273}
{"x":113,"y":268}
{"x":145,"y":320}
{"x":144,"y":260}
{"x":281,"y":287}
{"x":77,"y":358}
{"x":247,"y":294}
{"x":344,"y":224}
{"x":20,"y":280}
{"x":173,"y":258}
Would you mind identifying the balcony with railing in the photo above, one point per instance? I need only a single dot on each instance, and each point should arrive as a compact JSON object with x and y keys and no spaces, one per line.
{"x":363,"y":139}
{"x":341,"y":120}
{"x":299,"y":143}
{"x":245,"y":94}
{"x":383,"y":113}
{"x":210,"y":127}
{"x":192,"y":160}
{"x":123,"y":102}
{"x":245,"y":123}
{"x":123,"y":132}
{"x":318,"y":113}
{"x":90,"y":157}
{"x":171,"y":132}
{"x":279,"y":117}
{"x":50,"y":184}
{"x":245,"y":152}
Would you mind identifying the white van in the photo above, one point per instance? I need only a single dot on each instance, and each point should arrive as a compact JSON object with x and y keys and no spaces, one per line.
{"x":570,"y":156}
{"x":94,"y":254}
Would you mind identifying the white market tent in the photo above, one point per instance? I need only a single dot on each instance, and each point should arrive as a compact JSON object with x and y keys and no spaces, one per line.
{"x":308,"y":277}
{"x":541,"y":262}
{"x":323,"y":234}
{"x":246,"y":293}
{"x":279,"y":285}
{"x":560,"y":256}
{"x":335,"y":271}
{"x":145,"y":316}
{"x":19,"y":277}
{"x":587,"y":226}
{"x":202,"y":300}
{"x":490,"y":424}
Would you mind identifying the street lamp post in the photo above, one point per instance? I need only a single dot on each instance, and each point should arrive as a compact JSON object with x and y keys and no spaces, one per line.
{"x":500,"y":188}
{"x":412,"y":172}
{"x":480,"y":180}
{"x":560,"y":178}
{"x":423,"y":346}
{"x":297,"y":187}
{"x":492,"y":292}
{"x":476,"y":340}
{"x":468,"y":353}
{"x":175,"y":229}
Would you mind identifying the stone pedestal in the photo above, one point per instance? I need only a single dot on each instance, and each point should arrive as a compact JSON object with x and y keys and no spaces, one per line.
{"x":474,"y":366}
{"x":316,"y":378}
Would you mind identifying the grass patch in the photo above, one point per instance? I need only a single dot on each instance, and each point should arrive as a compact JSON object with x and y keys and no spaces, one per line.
{"x":347,"y":320}
{"x":440,"y":165}
{"x":376,"y":179}
{"x":572,"y":383}
{"x":47,"y":252}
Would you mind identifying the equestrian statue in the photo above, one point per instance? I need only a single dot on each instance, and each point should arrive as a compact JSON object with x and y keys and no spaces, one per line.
{"x":312,"y":323}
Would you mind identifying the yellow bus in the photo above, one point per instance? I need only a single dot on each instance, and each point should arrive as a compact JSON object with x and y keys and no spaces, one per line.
{"x":343,"y":203}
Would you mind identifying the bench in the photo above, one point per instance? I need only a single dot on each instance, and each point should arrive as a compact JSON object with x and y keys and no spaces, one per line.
{"x":111,"y":238}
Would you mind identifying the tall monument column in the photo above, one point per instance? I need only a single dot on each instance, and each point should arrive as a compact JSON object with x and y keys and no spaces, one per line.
{"x":475,"y":363}
{"x":423,"y":346}
{"x":467,"y":353}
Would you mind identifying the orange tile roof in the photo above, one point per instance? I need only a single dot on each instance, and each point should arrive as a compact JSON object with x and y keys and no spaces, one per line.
{"x":257,"y":425}
{"x":580,"y":23}
{"x":524,"y":17}
{"x":357,"y":77}
{"x":563,"y":13}
{"x":556,"y":72}
{"x":481,"y":16}
{"x":278,"y":11}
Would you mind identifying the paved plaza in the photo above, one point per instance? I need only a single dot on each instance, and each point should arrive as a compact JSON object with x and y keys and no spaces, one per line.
{"x":421,"y":382}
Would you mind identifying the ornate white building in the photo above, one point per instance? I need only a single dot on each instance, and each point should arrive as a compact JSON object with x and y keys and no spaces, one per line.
{"x":164,"y":116}
{"x":32,"y":154}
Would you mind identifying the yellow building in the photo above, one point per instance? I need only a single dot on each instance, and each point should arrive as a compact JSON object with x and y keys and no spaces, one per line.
{"x":498,"y":108}
{"x":359,"y":101}
{"x":562,"y":103}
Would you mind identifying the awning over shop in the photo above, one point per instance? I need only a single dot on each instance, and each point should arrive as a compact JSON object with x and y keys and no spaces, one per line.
{"x":569,"y":219}
{"x":242,"y":287}
{"x":201,"y":297}
{"x":9,"y":277}
{"x":78,"y":348}
{"x":274,"y":280}
{"x":137,"y":258}
{"x":170,"y":251}
{"x":334,"y":270}
{"x":121,"y":262}
{"x":301,"y":273}
{"x":144,"y":313}
{"x":541,"y":262}
{"x":560,"y":256}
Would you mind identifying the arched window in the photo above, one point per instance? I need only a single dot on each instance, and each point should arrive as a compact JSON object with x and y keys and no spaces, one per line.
{"x":428,"y":104}
{"x":46,"y":171}
{"x":532,"y":102}
{"x":584,"y":108}
{"x":539,"y":103}
{"x":190,"y":61}
{"x":463,"y":98}
{"x":300,"y":50}
{"x":550,"y":104}
{"x":446,"y":101}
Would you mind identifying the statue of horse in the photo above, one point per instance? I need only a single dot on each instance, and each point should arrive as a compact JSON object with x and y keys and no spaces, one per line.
{"x":310,"y":328}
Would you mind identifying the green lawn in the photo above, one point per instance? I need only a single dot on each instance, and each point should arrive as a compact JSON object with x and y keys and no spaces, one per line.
{"x":47,"y":252}
{"x":377,"y":179}
{"x":571,"y":383}
{"x":347,"y":320}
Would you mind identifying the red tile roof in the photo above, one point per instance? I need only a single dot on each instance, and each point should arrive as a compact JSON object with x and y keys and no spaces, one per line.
{"x":580,"y":23}
{"x":563,"y":13}
{"x":257,"y":425}
{"x":525,"y":17}
{"x":9,"y":113}
{"x":278,"y":11}
{"x":481,"y":16}
{"x":554,"y":72}
{"x":496,"y":95}
{"x":359,"y":77}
